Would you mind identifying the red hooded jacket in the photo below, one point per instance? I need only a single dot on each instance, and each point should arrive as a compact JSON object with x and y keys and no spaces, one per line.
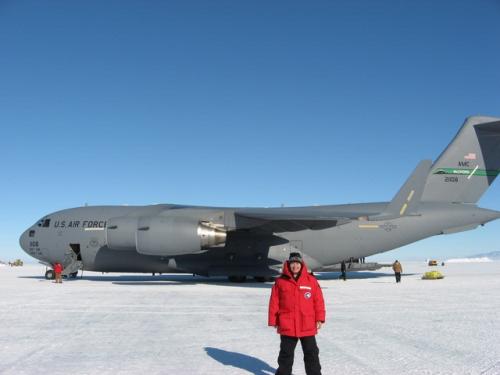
{"x":296,"y":305}
{"x":58,"y":268}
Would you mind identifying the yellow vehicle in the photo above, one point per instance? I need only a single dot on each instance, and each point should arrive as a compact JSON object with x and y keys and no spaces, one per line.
{"x":433,"y":275}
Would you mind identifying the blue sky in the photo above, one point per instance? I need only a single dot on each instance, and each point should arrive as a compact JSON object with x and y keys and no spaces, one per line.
{"x":234,"y":103}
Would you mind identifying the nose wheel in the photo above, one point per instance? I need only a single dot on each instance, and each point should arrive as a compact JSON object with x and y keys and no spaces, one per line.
{"x":50,"y":275}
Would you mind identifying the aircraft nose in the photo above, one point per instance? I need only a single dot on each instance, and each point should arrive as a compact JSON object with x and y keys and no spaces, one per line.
{"x":23,"y":240}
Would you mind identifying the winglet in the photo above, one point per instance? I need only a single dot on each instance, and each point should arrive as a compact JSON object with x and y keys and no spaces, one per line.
{"x":406,"y":201}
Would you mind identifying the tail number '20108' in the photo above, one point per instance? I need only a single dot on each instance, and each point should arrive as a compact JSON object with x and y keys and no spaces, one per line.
{"x":451,"y":179}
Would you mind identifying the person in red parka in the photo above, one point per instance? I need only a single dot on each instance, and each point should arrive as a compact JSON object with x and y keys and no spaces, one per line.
{"x":297,"y":310}
{"x":57,"y":270}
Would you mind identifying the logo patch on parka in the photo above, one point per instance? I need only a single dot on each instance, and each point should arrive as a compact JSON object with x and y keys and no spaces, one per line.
{"x":307,"y":295}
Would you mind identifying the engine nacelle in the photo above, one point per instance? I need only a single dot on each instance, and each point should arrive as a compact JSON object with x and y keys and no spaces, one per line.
{"x":170,"y":236}
{"x":120,"y":233}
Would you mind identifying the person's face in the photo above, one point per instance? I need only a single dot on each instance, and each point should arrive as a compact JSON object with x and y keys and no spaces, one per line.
{"x":295,"y":267}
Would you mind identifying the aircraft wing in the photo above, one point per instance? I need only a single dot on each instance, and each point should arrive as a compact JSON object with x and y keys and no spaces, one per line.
{"x":277,"y":222}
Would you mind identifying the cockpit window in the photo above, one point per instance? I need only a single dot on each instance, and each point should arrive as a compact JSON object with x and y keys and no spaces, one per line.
{"x":32,"y":233}
{"x":44,"y":223}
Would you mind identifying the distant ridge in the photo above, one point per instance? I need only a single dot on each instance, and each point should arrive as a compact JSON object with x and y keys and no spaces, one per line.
{"x":478,"y":258}
{"x":469,"y":260}
{"x":493,"y":255}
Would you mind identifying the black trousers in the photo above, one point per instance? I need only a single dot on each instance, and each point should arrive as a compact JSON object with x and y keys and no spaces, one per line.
{"x":398,"y":276}
{"x":311,"y":355}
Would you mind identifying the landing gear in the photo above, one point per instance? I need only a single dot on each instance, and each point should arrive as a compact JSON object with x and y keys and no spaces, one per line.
{"x":242,"y":279}
{"x":260,"y":279}
{"x":263,"y":279}
{"x":73,"y":275}
{"x":50,"y":275}
{"x":237,"y":279}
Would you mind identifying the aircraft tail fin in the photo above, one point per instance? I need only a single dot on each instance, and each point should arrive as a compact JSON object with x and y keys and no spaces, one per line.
{"x":469,"y":165}
{"x":406,"y":201}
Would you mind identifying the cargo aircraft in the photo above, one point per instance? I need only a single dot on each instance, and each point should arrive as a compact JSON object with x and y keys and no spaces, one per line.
{"x":437,"y":198}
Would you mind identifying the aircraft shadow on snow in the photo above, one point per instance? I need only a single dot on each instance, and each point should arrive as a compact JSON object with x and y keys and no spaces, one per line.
{"x":242,"y":361}
{"x":186,"y":279}
{"x":138,"y":280}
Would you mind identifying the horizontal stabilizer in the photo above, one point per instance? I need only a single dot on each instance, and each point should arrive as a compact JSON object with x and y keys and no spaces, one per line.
{"x":406,"y":201}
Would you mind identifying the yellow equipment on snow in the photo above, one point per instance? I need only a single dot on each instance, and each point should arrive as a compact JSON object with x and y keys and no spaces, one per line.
{"x":432,"y":275}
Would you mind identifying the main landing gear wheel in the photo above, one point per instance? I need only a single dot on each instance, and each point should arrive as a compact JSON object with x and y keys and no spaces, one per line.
{"x":50,"y":275}
{"x":237,"y":279}
{"x":73,"y":275}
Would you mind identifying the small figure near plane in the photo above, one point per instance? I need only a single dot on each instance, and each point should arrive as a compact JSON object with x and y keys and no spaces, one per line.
{"x":58,"y":268}
{"x":397,"y":268}
{"x":297,"y":311}
{"x":343,"y":275}
{"x":438,"y":198}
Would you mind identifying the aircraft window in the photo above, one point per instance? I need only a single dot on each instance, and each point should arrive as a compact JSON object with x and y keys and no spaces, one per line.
{"x":32,"y":233}
{"x":46,"y":223}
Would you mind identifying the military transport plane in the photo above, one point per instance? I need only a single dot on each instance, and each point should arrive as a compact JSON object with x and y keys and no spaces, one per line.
{"x":437,"y":198}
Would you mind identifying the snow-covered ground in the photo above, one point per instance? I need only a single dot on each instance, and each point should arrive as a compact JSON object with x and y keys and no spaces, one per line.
{"x":177,"y":324}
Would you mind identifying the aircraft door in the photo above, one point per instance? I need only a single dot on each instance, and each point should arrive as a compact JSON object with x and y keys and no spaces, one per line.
{"x":72,"y":260}
{"x":76,"y":250}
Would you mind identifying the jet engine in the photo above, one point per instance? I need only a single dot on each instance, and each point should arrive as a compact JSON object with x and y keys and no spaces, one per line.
{"x":170,"y":236}
{"x":163,"y":235}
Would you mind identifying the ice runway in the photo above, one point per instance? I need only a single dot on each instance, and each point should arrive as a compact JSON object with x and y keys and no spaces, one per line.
{"x":177,"y":324}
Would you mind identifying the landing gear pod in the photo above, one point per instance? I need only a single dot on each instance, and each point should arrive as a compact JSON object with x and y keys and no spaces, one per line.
{"x":171,"y":236}
{"x":120,"y":233}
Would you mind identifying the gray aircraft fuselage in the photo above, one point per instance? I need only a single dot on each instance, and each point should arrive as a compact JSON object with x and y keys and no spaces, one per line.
{"x":247,"y":253}
{"x":438,"y":198}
